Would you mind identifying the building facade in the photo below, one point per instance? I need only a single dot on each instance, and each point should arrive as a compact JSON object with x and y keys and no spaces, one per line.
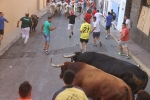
{"x":137,"y":35}
{"x":15,"y":9}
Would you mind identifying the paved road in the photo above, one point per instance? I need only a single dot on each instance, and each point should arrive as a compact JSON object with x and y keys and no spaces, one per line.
{"x":32,"y":64}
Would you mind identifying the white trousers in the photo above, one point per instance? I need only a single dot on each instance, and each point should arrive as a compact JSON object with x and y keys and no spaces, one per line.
{"x":25,"y":34}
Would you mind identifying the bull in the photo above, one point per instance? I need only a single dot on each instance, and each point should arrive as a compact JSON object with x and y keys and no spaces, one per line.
{"x":97,"y":84}
{"x":67,"y":10}
{"x":131,"y":74}
{"x":53,"y":9}
{"x":59,"y":7}
{"x":34,"y":19}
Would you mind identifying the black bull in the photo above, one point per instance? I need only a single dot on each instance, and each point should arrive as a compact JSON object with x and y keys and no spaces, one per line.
{"x":131,"y":74}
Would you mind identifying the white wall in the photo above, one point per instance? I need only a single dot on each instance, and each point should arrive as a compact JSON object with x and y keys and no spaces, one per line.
{"x":121,"y":14}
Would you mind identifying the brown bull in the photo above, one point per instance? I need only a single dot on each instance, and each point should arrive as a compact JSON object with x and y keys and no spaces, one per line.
{"x":97,"y":84}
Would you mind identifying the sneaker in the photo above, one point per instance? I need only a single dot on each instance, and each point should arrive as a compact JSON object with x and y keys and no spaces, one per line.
{"x":47,"y":52}
{"x":106,"y":37}
{"x":24,"y":44}
{"x":70,"y":36}
{"x":22,"y":40}
{"x":100,"y":44}
{"x":127,"y":57}
{"x":72,"y":33}
{"x":121,"y":53}
{"x":114,"y":28}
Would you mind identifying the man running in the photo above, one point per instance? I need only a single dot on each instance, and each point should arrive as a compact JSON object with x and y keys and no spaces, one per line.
{"x":2,"y":20}
{"x":46,"y":28}
{"x":114,"y":18}
{"x":71,"y":18}
{"x":85,"y":34}
{"x":108,"y":20}
{"x":25,"y":27}
{"x":96,"y":31}
{"x":98,"y":15}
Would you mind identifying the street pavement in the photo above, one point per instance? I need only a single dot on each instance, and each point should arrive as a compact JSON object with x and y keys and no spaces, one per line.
{"x":30,"y":63}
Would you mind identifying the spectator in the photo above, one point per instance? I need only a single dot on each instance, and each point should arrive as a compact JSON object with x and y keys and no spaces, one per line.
{"x":85,"y":34}
{"x":25,"y":27}
{"x":25,"y":91}
{"x":94,"y":11}
{"x":127,"y":21}
{"x":96,"y":31}
{"x":143,"y":95}
{"x":101,"y":7}
{"x":2,"y":20}
{"x":123,"y":40}
{"x":88,"y":16}
{"x":108,"y":20}
{"x":84,"y":7}
{"x":114,"y":18}
{"x":69,"y":92}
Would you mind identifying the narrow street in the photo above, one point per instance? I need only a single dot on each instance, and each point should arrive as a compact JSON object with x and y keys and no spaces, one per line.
{"x":30,"y":63}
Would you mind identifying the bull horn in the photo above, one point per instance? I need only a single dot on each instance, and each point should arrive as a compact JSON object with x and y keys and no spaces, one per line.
{"x":56,"y":66}
{"x":69,"y":56}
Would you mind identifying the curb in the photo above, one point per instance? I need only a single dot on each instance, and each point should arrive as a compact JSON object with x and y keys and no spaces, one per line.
{"x":142,"y":66}
{"x":9,"y":45}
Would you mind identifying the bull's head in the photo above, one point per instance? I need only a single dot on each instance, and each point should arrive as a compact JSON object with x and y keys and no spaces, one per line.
{"x":73,"y":56}
{"x":62,"y":66}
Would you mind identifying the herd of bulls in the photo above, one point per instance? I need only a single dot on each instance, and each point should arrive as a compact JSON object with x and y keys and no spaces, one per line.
{"x":56,"y":8}
{"x":103,"y":77}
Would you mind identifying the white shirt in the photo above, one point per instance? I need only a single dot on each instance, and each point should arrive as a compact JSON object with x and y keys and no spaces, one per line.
{"x":128,"y":22}
{"x":97,"y":25}
{"x":98,"y":15}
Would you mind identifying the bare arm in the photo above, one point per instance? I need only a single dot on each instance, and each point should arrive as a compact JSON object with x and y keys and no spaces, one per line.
{"x":6,"y":21}
{"x":93,"y":29}
{"x":18,"y":23}
{"x":52,"y":28}
{"x":42,"y":29}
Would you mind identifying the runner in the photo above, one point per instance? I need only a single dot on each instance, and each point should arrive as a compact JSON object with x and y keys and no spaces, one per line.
{"x":88,"y":16}
{"x":96,"y":31}
{"x":25,"y":27}
{"x":94,"y":11}
{"x":98,"y":15}
{"x":108,"y":20}
{"x":2,"y":20}
{"x":85,"y":30}
{"x":46,"y":28}
{"x":71,"y":18}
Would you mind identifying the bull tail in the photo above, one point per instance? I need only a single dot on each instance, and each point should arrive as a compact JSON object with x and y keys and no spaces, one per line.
{"x":128,"y":93}
{"x":145,"y":76}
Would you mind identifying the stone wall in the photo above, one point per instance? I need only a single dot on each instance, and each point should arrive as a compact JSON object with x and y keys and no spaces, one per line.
{"x":128,"y":7}
{"x":136,"y":35}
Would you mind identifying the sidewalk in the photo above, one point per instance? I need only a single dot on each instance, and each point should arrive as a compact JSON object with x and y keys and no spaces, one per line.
{"x":139,"y":55}
{"x":15,"y":34}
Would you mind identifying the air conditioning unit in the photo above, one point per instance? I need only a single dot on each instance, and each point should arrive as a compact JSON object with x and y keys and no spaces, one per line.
{"x":148,"y":2}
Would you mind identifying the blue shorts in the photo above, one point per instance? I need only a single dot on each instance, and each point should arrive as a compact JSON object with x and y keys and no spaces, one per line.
{"x":47,"y":37}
